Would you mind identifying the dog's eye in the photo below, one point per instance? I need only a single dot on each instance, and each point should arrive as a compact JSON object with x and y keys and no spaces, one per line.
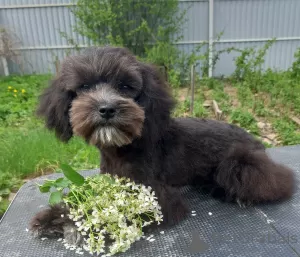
{"x":123,"y":86}
{"x":86,"y":86}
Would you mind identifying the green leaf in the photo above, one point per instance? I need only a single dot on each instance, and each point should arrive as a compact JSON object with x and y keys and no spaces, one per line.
{"x":72,"y":175}
{"x":44,"y":189}
{"x":48,"y":183}
{"x":55,"y":197}
{"x":62,"y":182}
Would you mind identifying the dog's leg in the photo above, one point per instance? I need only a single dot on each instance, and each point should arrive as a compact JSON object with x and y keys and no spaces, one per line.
{"x":250,"y":176}
{"x":173,"y":207}
{"x":53,"y":223}
{"x":49,"y":222}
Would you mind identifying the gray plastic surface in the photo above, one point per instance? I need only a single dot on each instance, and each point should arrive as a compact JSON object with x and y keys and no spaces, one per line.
{"x":218,"y":229}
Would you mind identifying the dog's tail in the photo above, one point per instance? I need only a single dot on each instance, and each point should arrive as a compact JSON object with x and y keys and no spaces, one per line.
{"x":249,"y":175}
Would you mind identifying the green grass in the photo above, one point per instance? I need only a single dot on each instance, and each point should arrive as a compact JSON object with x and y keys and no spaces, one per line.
{"x":288,"y":131}
{"x":183,"y":107}
{"x":283,"y":87}
{"x":283,"y":95}
{"x":18,"y":98}
{"x":245,"y":95}
{"x":245,"y":120}
{"x":27,"y":149}
{"x":37,"y":151}
{"x":4,"y":203}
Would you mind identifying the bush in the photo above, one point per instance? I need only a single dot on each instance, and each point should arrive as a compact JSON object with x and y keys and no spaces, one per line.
{"x":249,"y":65}
{"x":135,"y":24}
{"x":149,"y":28}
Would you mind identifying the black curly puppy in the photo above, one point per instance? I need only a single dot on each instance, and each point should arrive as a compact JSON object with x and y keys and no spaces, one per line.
{"x":123,"y":107}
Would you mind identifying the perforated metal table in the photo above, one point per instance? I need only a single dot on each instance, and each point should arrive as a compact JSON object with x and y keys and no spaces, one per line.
{"x":218,"y":229}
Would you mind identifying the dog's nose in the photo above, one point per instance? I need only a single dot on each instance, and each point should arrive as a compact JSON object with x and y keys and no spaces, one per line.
{"x":107,"y":112}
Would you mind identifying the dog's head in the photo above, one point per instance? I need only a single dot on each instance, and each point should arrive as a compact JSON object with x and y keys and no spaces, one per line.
{"x":106,"y":96}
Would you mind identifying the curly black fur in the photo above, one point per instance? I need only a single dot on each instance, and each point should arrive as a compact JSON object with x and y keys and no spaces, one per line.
{"x":167,"y":153}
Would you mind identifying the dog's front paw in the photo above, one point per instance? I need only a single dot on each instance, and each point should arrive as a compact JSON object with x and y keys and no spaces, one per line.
{"x":71,"y":235}
{"x":243,"y":204}
{"x":174,"y":213}
{"x":49,"y":222}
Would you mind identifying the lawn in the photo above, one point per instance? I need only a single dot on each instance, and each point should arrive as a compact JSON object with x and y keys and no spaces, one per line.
{"x":267,"y":104}
{"x":27,"y":149}
{"x":266,"y":116}
{"x":264,"y":102}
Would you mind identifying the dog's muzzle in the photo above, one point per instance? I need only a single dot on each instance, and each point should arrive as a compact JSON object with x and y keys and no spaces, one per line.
{"x":105,"y":118}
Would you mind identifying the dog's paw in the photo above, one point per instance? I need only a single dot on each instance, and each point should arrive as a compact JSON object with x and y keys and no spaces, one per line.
{"x":43,"y":225}
{"x":71,"y":235}
{"x":243,"y":204}
{"x":174,"y":213}
{"x":49,"y":222}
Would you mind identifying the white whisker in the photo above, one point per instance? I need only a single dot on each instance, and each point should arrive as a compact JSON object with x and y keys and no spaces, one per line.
{"x":110,"y":136}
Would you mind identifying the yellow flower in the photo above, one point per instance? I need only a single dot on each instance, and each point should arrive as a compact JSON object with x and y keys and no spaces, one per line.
{"x":15,"y":91}
{"x":9,"y":87}
{"x":23,"y":91}
{"x":15,"y":95}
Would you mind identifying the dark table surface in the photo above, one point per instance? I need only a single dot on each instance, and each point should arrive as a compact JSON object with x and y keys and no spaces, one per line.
{"x":218,"y":229}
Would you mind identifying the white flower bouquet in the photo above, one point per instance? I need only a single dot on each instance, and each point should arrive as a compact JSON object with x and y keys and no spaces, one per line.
{"x":109,"y":212}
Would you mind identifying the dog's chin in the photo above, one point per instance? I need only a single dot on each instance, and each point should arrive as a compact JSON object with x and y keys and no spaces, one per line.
{"x":109,"y":136}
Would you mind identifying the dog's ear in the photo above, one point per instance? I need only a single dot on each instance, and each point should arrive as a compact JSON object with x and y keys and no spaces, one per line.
{"x":156,"y":91}
{"x":54,"y":106}
{"x":156,"y":99}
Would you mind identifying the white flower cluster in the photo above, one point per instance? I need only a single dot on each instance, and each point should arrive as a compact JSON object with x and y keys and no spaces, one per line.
{"x":110,"y":212}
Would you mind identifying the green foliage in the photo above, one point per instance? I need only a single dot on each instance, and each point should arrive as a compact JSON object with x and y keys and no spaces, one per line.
{"x":26,"y":148}
{"x":215,"y":55}
{"x":72,"y":175}
{"x":260,"y":109}
{"x":4,"y":203}
{"x":56,"y":187}
{"x":8,"y":184}
{"x":271,"y":94}
{"x":18,"y":97}
{"x":38,"y":151}
{"x":218,"y":94}
{"x":282,"y":87}
{"x":182,"y":108}
{"x":288,"y":131}
{"x":134,"y":24}
{"x":295,"y":70}
{"x":199,"y":110}
{"x":249,"y":65}
{"x":244,"y":119}
{"x":150,"y":29}
{"x":55,"y":197}
{"x":171,"y":59}
{"x":245,"y":95}
{"x":250,"y":101}
{"x":60,"y":184}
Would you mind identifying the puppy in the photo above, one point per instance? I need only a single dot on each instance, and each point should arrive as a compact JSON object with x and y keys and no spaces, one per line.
{"x":123,"y":107}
